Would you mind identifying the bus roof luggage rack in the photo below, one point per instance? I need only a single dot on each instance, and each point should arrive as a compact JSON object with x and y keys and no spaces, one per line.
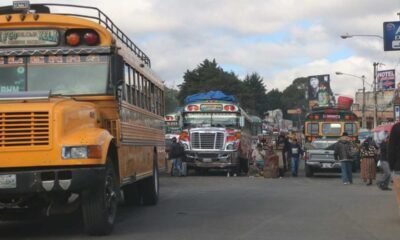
{"x":98,"y":15}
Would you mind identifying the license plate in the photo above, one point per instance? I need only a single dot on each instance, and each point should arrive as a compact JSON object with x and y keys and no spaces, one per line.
{"x":326,"y":165}
{"x":206,"y":159}
{"x":8,"y":181}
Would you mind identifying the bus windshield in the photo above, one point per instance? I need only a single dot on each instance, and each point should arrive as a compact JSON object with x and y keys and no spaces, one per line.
{"x":331,"y":129}
{"x":63,"y":75}
{"x":211,"y":120}
{"x":172,"y":127}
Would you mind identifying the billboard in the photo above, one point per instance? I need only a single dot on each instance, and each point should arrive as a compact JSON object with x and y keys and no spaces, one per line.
{"x":386,"y":79}
{"x":319,"y":91}
{"x":391,"y":36}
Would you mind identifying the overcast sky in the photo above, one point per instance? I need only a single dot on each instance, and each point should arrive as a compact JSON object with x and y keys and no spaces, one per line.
{"x":279,"y":39}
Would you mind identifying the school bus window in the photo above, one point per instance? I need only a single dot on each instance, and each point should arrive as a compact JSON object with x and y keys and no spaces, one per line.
{"x":72,"y":77}
{"x":132,"y":83}
{"x":350,"y":128}
{"x":13,"y":78}
{"x":312,"y":128}
{"x":127,"y":85}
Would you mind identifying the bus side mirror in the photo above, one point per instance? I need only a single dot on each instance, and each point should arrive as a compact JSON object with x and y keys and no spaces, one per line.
{"x":241,"y":121}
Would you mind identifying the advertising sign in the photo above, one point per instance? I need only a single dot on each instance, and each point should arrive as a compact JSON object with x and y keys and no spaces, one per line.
{"x":319,"y":90}
{"x":391,"y":36}
{"x":386,"y":79}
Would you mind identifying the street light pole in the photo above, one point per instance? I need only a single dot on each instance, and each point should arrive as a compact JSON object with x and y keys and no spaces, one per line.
{"x":363,"y":119}
{"x":375,"y":95}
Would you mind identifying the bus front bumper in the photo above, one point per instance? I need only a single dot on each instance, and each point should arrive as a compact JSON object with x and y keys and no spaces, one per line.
{"x":22,"y":182}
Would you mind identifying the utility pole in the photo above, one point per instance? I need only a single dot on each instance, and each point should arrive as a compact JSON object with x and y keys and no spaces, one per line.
{"x":363,"y":120}
{"x":375,"y":95}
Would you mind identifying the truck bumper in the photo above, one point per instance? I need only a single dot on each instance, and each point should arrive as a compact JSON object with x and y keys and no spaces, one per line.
{"x":220,"y":159}
{"x":323,"y":165}
{"x":26,"y":182}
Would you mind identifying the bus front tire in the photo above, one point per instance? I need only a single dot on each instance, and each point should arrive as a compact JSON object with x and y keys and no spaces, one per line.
{"x":99,"y":205}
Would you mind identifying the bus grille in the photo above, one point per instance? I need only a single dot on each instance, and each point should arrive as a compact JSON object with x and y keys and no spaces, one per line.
{"x":210,"y":141}
{"x":24,"y":129}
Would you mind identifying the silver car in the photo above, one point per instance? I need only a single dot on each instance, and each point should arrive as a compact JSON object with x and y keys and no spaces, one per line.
{"x":320,"y":157}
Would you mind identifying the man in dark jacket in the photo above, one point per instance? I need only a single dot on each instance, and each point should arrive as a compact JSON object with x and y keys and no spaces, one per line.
{"x":383,"y":184}
{"x":295,"y":152}
{"x":394,"y":148}
{"x":343,"y":154}
{"x":176,"y":153}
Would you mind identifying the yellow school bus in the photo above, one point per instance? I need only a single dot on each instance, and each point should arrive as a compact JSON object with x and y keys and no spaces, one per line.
{"x":81,"y":114}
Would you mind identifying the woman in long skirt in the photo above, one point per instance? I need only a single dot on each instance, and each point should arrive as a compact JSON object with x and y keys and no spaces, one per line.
{"x":368,"y":166}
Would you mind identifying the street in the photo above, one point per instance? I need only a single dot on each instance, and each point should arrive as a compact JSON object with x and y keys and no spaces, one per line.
{"x":218,"y":207}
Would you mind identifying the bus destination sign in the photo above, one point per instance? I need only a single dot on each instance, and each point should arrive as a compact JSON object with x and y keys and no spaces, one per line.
{"x":211,"y":107}
{"x":31,"y":37}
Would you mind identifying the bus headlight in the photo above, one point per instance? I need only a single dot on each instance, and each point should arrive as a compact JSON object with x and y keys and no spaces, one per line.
{"x":81,"y":152}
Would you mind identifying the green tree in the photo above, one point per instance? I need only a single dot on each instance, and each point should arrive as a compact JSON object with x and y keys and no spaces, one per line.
{"x":171,"y":100}
{"x":294,"y":96}
{"x":274,"y":100}
{"x":208,"y":76}
{"x":253,"y":95}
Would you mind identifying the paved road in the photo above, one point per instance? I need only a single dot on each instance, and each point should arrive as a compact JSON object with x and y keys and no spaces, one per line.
{"x":217,"y":207}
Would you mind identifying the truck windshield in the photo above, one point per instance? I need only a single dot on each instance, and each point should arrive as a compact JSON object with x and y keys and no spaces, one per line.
{"x":64,"y":75}
{"x":211,"y":120}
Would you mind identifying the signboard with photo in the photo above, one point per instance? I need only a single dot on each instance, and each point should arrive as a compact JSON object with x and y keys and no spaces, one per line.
{"x":319,"y":90}
{"x":386,"y":79}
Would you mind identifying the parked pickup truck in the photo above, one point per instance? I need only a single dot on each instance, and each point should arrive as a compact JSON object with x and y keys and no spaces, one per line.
{"x":320,"y":157}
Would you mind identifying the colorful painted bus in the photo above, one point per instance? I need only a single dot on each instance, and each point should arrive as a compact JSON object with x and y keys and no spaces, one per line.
{"x":330,"y":123}
{"x":81,"y":114}
{"x":216,"y":135}
{"x":322,"y":128}
{"x":172,"y":128}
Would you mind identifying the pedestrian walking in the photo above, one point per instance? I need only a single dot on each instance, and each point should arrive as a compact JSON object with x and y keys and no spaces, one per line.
{"x":176,"y":154}
{"x":295,"y":152}
{"x":394,"y":158}
{"x":368,"y":154}
{"x":344,"y":155}
{"x":394,"y":148}
{"x":284,"y":140}
{"x":383,"y":183}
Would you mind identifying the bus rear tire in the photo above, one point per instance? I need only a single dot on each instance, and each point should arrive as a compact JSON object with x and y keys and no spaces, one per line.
{"x":149,"y":188}
{"x":99,"y":205}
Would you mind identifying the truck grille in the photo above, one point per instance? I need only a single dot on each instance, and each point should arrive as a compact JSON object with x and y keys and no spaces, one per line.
{"x":213,"y":141}
{"x":24,"y":129}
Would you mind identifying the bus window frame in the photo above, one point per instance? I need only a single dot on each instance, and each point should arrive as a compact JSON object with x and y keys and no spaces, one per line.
{"x":311,"y":133}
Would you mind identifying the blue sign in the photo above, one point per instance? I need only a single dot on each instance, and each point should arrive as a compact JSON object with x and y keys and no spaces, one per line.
{"x":391,"y":36}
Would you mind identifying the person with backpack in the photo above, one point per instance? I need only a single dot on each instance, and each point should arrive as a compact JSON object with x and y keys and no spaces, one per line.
{"x":344,"y":155}
{"x":176,"y":154}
